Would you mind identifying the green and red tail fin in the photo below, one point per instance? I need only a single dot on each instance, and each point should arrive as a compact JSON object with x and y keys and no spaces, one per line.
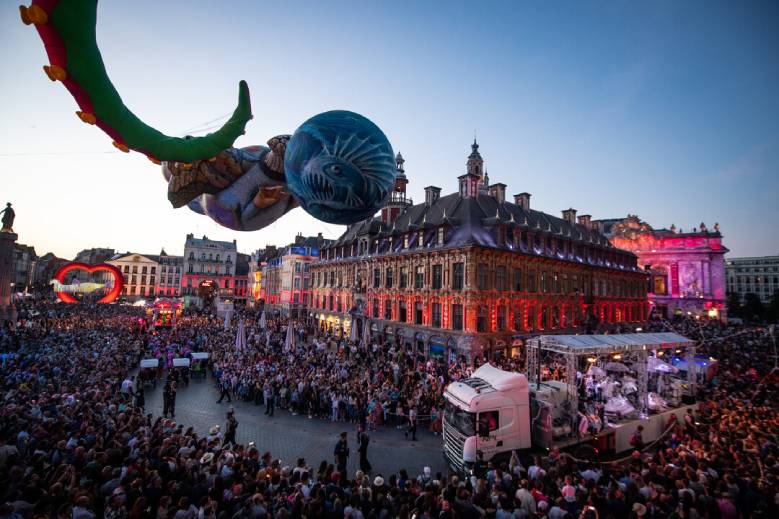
{"x":67,"y":28}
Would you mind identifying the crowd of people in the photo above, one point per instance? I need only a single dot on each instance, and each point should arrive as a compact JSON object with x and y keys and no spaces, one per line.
{"x":76,"y":441}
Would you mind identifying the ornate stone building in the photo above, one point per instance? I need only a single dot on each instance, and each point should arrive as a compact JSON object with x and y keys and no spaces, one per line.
{"x":687,"y":269}
{"x":285,"y":285}
{"x":471,"y":273}
{"x":209,"y":270}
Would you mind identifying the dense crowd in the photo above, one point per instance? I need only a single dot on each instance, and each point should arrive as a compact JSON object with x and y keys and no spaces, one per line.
{"x":75,"y":443}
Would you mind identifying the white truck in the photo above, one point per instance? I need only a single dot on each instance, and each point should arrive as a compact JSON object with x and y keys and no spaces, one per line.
{"x":494,"y":413}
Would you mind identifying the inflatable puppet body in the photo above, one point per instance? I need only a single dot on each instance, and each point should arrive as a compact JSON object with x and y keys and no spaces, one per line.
{"x":338,"y":165}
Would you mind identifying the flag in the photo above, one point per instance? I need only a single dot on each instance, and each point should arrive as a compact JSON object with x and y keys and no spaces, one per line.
{"x":240,"y":337}
{"x":289,"y":341}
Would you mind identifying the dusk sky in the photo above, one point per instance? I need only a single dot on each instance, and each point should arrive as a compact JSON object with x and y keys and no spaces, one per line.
{"x":668,"y":110}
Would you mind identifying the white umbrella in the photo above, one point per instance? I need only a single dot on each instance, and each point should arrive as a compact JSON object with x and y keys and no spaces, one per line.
{"x":616,"y":366}
{"x":263,"y":321}
{"x":655,"y":364}
{"x":596,"y":372}
{"x":366,"y":332}
{"x":289,"y":340}
{"x":240,"y":337}
{"x":353,"y":331}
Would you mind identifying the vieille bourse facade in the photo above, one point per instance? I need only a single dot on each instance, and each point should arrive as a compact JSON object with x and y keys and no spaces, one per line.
{"x":472,"y":274}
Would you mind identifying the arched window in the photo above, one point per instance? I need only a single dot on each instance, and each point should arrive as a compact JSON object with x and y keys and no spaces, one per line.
{"x":482,"y":324}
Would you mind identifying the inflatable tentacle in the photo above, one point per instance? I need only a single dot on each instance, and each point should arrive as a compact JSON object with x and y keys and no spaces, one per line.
{"x":67,"y":28}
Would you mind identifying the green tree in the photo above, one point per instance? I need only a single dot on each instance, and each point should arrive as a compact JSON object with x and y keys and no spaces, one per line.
{"x":734,"y":304}
{"x":753,"y":307}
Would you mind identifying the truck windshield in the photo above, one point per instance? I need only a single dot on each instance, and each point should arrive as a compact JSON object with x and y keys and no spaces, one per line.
{"x":462,"y":421}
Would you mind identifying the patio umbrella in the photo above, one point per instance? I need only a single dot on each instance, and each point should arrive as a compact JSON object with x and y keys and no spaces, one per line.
{"x":353,"y":331}
{"x":366,"y":332}
{"x":289,"y":340}
{"x":616,"y":366}
{"x":240,"y":337}
{"x":596,"y":372}
{"x":263,"y":321}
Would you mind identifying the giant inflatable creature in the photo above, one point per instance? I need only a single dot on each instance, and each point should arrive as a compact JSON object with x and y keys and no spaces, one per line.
{"x":338,"y":165}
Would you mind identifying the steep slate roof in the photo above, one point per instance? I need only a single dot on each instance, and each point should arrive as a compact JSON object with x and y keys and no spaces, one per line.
{"x":472,"y":219}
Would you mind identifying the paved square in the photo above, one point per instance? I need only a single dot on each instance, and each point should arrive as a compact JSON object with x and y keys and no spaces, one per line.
{"x":289,"y":437}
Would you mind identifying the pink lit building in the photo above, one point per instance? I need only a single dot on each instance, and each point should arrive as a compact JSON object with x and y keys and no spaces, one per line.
{"x":687,"y":269}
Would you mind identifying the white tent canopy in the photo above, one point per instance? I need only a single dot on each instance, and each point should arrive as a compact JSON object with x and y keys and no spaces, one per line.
{"x":150,"y":363}
{"x":598,"y":344}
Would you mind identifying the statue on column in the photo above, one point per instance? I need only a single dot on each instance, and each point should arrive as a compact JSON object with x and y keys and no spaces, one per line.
{"x":8,"y":218}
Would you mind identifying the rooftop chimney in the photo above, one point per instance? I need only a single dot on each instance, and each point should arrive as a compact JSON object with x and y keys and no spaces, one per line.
{"x":569,"y":215}
{"x":432,"y":194}
{"x":585,"y":220}
{"x":499,"y":192}
{"x":522,"y":200}
{"x":469,"y":185}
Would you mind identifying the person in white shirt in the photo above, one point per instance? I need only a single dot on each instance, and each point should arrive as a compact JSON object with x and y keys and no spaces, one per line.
{"x":525,"y":499}
{"x":127,"y":385}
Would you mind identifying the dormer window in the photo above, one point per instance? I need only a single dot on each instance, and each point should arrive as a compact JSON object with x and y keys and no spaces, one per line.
{"x":405,"y":241}
{"x":421,"y":239}
{"x":440,"y":240}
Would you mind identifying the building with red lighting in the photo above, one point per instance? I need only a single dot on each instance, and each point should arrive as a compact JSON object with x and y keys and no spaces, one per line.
{"x":209,"y":270}
{"x":285,"y":285}
{"x":687,"y":269}
{"x":471,"y":273}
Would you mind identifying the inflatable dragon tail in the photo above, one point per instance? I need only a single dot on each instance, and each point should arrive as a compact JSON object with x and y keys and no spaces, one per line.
{"x":67,"y":28}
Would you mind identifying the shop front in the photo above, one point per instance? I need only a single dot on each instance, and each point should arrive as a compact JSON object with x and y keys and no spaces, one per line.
{"x":437,"y":348}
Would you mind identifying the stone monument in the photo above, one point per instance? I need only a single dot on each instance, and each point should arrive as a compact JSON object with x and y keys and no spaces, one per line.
{"x":7,"y":240}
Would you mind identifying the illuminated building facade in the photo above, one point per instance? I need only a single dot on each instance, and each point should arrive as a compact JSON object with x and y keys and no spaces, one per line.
{"x":471,"y":273}
{"x":170,"y":274}
{"x":209,"y":270}
{"x":140,"y":273}
{"x":257,"y":266}
{"x":687,"y":269}
{"x":285,"y":279}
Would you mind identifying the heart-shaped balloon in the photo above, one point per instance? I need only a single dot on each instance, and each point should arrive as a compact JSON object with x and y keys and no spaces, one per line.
{"x":70,"y":267}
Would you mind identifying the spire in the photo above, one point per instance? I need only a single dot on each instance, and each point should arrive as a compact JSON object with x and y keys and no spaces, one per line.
{"x":475,"y":163}
{"x":399,"y":162}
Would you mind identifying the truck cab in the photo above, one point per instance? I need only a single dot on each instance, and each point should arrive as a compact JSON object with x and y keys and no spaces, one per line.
{"x":487,"y":416}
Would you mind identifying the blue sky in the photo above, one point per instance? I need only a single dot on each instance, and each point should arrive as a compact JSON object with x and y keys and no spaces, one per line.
{"x":664,"y":109}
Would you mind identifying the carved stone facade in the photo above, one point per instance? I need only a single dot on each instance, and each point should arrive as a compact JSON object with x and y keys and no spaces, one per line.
{"x":471,"y":274}
{"x":687,"y":269}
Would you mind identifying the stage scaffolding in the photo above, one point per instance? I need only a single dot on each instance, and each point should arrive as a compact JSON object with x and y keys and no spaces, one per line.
{"x":633,"y":348}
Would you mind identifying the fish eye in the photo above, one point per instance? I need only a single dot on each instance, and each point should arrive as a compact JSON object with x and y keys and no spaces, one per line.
{"x":335,"y":169}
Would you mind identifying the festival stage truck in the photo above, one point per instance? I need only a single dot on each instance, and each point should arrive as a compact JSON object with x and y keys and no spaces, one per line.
{"x":606,"y":386}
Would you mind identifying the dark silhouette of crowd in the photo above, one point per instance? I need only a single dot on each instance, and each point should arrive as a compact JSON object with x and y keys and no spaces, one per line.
{"x":75,"y":444}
